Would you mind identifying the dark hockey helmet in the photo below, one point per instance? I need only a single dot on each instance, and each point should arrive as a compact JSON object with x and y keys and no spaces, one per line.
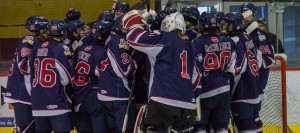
{"x":170,"y":10}
{"x":122,"y":7}
{"x":248,"y":6}
{"x":220,"y":17}
{"x":36,"y":24}
{"x":191,"y":14}
{"x":236,"y":19}
{"x":209,"y":20}
{"x":106,"y":16}
{"x":162,"y":14}
{"x":118,"y":24}
{"x":102,"y":29}
{"x":72,"y":14}
{"x":56,"y":28}
{"x":74,"y":25}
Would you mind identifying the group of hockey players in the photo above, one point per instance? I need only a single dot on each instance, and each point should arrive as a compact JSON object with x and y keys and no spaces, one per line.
{"x":194,"y":72}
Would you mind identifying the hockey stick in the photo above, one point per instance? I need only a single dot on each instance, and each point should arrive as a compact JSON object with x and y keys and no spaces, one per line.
{"x":114,"y":6}
{"x":234,"y":127}
{"x":148,"y":5}
{"x":198,"y":109}
{"x":31,"y":123}
{"x":129,"y":104}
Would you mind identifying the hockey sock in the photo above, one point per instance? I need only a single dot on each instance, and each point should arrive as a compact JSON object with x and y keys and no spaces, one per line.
{"x":259,"y":125}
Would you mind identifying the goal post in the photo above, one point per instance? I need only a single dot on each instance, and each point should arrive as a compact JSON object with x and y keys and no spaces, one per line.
{"x":274,"y":108}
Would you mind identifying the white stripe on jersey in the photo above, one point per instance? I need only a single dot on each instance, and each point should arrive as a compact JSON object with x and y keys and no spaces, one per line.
{"x":49,"y":112}
{"x":65,"y":77}
{"x":108,"y":98}
{"x":174,"y":103}
{"x":215,"y":91}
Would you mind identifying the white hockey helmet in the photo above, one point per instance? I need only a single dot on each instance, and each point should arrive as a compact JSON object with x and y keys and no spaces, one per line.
{"x":172,"y":22}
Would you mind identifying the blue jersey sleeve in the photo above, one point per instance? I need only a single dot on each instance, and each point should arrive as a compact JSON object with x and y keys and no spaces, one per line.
{"x":145,"y":41}
{"x":63,"y":66}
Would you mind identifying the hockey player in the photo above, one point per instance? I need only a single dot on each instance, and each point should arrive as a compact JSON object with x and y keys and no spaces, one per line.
{"x":51,"y":106}
{"x":261,"y":40}
{"x":191,"y":16}
{"x":75,"y":31}
{"x":245,"y":93}
{"x":89,"y":110}
{"x":216,"y":55}
{"x":72,"y":14}
{"x":160,"y":17}
{"x":121,"y":9}
{"x":18,"y":84}
{"x":106,"y":16}
{"x":115,"y":71}
{"x":171,"y":55}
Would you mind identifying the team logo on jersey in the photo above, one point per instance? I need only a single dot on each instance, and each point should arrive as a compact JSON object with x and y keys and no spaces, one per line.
{"x":214,"y":39}
{"x":88,"y":48}
{"x":123,"y":44}
{"x":45,"y":44}
{"x":25,"y":51}
{"x":28,"y":39}
{"x":52,"y":106}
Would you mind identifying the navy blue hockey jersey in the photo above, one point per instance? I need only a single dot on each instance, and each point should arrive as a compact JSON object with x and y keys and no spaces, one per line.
{"x":86,"y":62}
{"x":246,"y":82}
{"x":18,"y":83}
{"x":52,"y":72}
{"x":173,"y":74}
{"x":216,"y":55}
{"x":116,"y":69}
{"x":192,"y":34}
{"x":261,"y":40}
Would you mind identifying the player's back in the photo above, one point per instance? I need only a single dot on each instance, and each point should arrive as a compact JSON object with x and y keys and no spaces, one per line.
{"x":87,"y":58}
{"x":216,"y":54}
{"x":246,"y":88}
{"x":171,"y":66}
{"x":116,"y":69}
{"x":262,"y":42}
{"x":52,"y":72}
{"x":19,"y":72}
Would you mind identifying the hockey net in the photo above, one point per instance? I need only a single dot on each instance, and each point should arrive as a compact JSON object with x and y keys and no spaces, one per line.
{"x":274,"y":107}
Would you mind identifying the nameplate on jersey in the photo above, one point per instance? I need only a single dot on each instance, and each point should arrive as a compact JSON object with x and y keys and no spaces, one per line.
{"x":84,"y":56}
{"x":249,"y":44}
{"x":123,"y":44}
{"x":42,"y":52}
{"x":218,"y":47}
{"x":262,"y":37}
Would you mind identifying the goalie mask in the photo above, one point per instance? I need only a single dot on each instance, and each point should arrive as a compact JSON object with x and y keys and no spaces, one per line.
{"x":172,"y":22}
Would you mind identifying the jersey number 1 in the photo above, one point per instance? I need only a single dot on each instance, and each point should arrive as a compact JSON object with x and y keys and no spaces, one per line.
{"x":183,"y":57}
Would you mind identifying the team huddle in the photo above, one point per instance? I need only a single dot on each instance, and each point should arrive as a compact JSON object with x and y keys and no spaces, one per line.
{"x":138,"y":71}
